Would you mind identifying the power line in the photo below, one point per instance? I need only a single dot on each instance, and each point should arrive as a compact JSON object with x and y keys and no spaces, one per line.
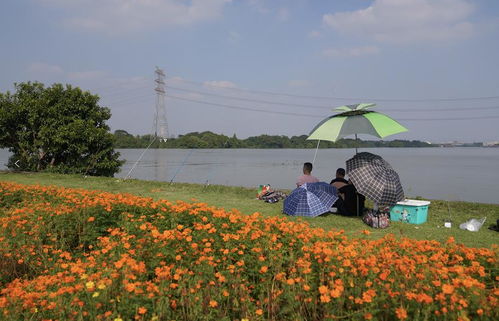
{"x":241,"y":108}
{"x":337,"y":98}
{"x":323,"y":106}
{"x":250,"y":100}
{"x":441,"y":109}
{"x":313,"y":116}
{"x":129,"y":99}
{"x":454,"y":118}
{"x":122,"y":91}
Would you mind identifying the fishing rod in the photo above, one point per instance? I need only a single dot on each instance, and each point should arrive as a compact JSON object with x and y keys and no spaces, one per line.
{"x":212,"y":170}
{"x":181,"y":165}
{"x":138,"y":160}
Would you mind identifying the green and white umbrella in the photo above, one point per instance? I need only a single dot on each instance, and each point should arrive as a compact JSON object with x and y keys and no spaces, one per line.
{"x":353,"y":120}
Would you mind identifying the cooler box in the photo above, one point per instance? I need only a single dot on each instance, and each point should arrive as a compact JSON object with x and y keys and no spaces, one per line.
{"x":410,"y":211}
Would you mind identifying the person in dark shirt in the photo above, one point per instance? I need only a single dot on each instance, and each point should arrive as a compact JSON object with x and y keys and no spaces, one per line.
{"x":339,"y":181}
{"x":350,"y":201}
{"x":353,"y":202}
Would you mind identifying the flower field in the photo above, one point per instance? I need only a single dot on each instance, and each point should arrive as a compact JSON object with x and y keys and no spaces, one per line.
{"x":74,"y":254}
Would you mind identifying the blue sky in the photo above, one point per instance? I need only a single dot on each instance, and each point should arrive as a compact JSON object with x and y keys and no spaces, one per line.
{"x":250,"y":67}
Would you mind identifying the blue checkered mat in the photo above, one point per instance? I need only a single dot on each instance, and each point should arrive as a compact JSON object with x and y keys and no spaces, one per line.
{"x":311,"y":199}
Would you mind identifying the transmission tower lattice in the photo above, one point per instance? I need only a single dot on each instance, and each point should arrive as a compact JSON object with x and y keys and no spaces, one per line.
{"x":160,"y":124}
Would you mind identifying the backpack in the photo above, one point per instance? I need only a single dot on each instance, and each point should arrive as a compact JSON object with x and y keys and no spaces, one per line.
{"x":376,"y":219}
{"x":273,"y":196}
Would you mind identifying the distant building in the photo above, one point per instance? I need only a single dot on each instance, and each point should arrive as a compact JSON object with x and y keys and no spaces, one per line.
{"x":491,"y":144}
{"x":459,"y":144}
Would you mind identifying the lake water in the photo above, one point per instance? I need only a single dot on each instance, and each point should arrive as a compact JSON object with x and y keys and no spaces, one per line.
{"x":465,"y":174}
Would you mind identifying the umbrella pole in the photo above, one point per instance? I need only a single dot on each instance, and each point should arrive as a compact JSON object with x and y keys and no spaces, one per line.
{"x":357,"y":198}
{"x":356,"y":143}
{"x":318,"y":142}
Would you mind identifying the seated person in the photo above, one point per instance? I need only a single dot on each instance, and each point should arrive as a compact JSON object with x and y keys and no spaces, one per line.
{"x":307,"y":175}
{"x":349,"y":201}
{"x":339,"y":181}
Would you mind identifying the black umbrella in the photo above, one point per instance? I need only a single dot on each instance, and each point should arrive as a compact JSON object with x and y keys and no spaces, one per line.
{"x":375,"y":178}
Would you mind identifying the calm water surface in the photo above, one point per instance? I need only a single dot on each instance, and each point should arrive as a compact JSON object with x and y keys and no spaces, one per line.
{"x":466,"y":174}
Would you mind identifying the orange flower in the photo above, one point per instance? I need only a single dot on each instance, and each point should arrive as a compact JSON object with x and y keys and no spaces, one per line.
{"x":401,"y":313}
{"x":259,"y":311}
{"x":263,"y":269}
{"x":142,"y":310}
{"x":91,"y":219}
{"x":213,"y":303}
{"x":325,"y":298}
{"x":447,"y":289}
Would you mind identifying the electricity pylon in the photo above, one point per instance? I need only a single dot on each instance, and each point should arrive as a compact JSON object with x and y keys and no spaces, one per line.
{"x":160,"y":124}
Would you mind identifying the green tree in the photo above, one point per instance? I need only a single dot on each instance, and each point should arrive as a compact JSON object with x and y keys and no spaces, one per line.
{"x":58,"y":128}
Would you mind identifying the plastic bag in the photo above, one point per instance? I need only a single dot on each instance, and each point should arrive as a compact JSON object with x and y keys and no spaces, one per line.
{"x":473,"y":225}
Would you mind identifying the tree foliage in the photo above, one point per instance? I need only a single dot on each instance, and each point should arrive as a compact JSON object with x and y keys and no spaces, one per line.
{"x":211,"y":140}
{"x":58,"y":128}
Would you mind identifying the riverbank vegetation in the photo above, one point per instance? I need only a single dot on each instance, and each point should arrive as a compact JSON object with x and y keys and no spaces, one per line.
{"x":207,"y":139}
{"x":244,"y":199}
{"x":74,"y":254}
{"x":60,"y":129}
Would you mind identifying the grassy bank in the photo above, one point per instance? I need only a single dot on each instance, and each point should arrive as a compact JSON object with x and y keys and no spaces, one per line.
{"x":243,"y":199}
{"x":76,"y":254}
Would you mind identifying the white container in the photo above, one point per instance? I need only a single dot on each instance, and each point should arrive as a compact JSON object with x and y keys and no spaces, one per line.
{"x":413,"y":202}
{"x":410,"y":211}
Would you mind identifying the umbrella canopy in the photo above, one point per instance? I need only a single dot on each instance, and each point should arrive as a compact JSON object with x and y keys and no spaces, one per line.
{"x":355,"y":119}
{"x":375,"y":178}
{"x":310,"y":199}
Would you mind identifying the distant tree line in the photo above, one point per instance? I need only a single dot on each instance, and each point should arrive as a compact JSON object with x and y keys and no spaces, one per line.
{"x":207,"y":139}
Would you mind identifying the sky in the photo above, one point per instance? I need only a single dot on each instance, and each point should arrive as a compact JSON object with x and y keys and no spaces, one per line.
{"x":277,"y":67}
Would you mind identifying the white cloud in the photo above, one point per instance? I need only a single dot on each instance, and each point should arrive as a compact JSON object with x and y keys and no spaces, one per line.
{"x":124,"y":16}
{"x":40,"y":68}
{"x":350,"y":52}
{"x":92,"y":79}
{"x":314,"y":34}
{"x":265,"y":7}
{"x":299,"y":83}
{"x":283,"y":14}
{"x":87,"y":75}
{"x":220,"y":83}
{"x":234,"y":36}
{"x":259,"y":6}
{"x":406,"y":21}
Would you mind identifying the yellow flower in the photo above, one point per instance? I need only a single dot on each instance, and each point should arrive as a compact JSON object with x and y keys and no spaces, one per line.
{"x":96,"y":294}
{"x":101,"y":286}
{"x":118,"y":319}
{"x":90,"y":285}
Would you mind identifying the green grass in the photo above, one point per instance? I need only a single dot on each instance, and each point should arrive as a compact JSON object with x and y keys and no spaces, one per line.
{"x":244,"y":200}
